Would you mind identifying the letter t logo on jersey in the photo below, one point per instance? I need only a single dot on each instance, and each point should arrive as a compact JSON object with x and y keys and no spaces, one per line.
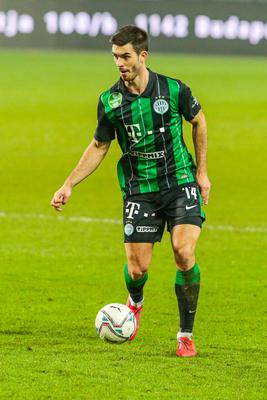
{"x":131,"y":209}
{"x":133,"y":132}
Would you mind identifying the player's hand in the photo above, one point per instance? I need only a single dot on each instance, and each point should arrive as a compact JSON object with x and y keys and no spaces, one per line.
{"x":205,"y":186}
{"x":61,"y":197}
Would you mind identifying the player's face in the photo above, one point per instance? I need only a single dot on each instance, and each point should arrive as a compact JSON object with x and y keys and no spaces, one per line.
{"x":128,"y":62}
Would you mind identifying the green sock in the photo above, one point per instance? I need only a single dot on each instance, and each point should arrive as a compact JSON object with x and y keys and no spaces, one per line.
{"x":187,"y":286}
{"x":135,"y":287}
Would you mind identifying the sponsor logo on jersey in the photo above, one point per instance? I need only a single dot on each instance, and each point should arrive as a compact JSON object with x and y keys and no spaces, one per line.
{"x":128,"y":229}
{"x":148,"y":156}
{"x":161,"y":106}
{"x":134,"y":132}
{"x":131,"y":209}
{"x":147,"y":229}
{"x":115,"y":99}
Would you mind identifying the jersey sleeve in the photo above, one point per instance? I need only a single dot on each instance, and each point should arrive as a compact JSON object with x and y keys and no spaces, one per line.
{"x":188,"y":104}
{"x":105,"y":130}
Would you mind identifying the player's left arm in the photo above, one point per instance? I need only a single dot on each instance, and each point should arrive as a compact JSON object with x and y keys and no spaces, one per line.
{"x":200,"y":140}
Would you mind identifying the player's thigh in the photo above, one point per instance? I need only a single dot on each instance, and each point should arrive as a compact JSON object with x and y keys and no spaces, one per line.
{"x":139,"y":255}
{"x":184,"y":206}
{"x":184,"y":238}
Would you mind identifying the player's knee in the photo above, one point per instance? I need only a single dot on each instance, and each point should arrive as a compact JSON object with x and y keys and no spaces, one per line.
{"x":136,"y":274}
{"x":184,"y":256}
{"x":136,"y":270}
{"x":137,"y":267}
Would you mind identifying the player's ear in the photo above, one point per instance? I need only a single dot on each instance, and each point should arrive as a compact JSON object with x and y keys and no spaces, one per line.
{"x":143,"y":55}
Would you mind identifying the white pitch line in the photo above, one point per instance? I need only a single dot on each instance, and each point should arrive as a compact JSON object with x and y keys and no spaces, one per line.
{"x":232,"y":228}
{"x":60,"y":218}
{"x":88,"y":220}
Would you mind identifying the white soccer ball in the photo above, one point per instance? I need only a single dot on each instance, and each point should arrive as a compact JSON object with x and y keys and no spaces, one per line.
{"x":115,"y":323}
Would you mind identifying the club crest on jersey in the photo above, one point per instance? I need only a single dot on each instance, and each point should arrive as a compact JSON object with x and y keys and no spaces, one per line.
{"x":160,"y":106}
{"x":115,"y":99}
{"x":128,"y":229}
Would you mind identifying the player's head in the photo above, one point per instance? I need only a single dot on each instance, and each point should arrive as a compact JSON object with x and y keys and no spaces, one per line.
{"x":137,"y":37}
{"x":130,"y":50}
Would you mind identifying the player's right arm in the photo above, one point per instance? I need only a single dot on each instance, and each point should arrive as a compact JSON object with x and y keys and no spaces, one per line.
{"x":90,"y":160}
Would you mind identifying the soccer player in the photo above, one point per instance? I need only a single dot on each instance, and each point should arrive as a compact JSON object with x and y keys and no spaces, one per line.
{"x":159,"y":180}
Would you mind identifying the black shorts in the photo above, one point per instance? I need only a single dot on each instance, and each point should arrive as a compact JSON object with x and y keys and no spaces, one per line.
{"x":145,"y":215}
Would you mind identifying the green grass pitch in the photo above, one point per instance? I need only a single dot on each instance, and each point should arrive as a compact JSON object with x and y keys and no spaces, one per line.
{"x":56,"y":272}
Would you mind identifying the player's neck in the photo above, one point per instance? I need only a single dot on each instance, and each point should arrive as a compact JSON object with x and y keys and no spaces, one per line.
{"x":139,"y":84}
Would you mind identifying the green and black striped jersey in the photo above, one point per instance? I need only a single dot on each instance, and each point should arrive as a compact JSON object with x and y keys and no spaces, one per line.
{"x":149,"y":130}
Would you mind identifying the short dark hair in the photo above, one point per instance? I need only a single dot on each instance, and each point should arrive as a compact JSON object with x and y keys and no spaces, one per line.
{"x":131,"y":34}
